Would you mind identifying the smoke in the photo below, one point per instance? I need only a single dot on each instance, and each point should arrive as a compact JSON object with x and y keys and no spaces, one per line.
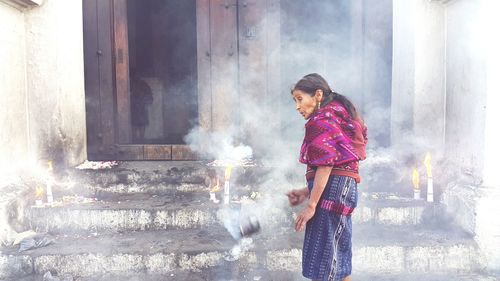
{"x":17,"y":186}
{"x":218,"y":145}
{"x":314,"y":37}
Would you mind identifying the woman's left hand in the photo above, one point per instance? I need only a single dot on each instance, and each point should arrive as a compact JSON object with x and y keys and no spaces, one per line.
{"x":305,"y":215}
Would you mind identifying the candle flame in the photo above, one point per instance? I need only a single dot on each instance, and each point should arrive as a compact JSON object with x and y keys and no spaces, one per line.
{"x":415,"y":179}
{"x":50,"y":166}
{"x":38,"y":191}
{"x":428,"y":165}
{"x":216,"y":187}
{"x":227,"y":173}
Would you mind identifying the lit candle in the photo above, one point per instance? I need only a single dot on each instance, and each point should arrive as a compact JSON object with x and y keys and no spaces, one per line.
{"x":214,"y":189}
{"x":416,"y":184}
{"x":38,"y":196}
{"x":50,"y":198}
{"x":430,"y":187}
{"x":227,"y":176}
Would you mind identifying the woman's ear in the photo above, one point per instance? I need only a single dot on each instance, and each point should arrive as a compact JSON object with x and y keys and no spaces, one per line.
{"x":318,"y":95}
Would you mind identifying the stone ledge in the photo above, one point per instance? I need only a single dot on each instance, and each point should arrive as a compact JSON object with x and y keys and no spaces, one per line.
{"x":141,"y":212}
{"x":474,"y":208}
{"x":375,"y":250}
{"x":366,"y":259}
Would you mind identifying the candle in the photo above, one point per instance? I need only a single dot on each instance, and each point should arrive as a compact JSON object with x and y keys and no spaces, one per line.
{"x":416,"y":184}
{"x":213,"y":198}
{"x":50,"y":198}
{"x":214,"y":189}
{"x":38,"y":196}
{"x":430,"y":186}
{"x":227,"y":176}
{"x":430,"y":190}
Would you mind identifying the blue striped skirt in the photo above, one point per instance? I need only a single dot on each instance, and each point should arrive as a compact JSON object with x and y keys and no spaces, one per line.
{"x":327,"y":251}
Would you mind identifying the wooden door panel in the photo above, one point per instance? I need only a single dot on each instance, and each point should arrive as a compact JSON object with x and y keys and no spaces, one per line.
{"x":91,"y":73}
{"x":157,"y":152}
{"x":121,"y":70}
{"x":252,"y":50}
{"x":224,"y":63}
{"x":106,"y":77}
{"x":98,"y":77}
{"x":204,"y":59}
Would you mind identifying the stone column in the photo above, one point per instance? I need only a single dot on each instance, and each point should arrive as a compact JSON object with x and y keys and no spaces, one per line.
{"x":418,"y":92}
{"x":487,"y":227}
{"x":472,"y":138}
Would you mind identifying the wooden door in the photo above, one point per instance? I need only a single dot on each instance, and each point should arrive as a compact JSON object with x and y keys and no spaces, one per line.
{"x":232,"y":62}
{"x":238,"y":58}
{"x":99,"y":78}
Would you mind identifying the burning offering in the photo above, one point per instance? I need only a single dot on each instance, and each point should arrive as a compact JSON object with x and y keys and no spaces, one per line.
{"x":416,"y":184}
{"x":430,"y":187}
{"x":38,"y":195}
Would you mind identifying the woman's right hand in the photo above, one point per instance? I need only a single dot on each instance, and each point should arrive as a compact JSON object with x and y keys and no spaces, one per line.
{"x":297,"y":196}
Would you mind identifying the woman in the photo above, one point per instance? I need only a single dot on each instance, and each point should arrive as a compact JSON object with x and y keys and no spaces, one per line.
{"x":334,"y":143}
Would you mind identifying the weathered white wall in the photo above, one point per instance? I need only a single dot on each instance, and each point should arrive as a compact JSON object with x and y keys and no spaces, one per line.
{"x":42,"y":98}
{"x":466,"y":87}
{"x":418,"y":96}
{"x":403,"y":70}
{"x":446,"y":81}
{"x":13,"y":117}
{"x":472,"y":112}
{"x":42,"y":88}
{"x":445,"y":98}
{"x":55,"y":81}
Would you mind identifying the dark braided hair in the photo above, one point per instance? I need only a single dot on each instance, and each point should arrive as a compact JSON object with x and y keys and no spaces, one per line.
{"x":312,"y":82}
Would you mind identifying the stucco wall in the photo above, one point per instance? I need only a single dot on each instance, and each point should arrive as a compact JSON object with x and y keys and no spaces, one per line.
{"x":472,"y":80}
{"x":465,"y":87}
{"x":418,"y":94}
{"x":403,"y":70}
{"x":445,"y":95}
{"x":13,"y":118}
{"x":42,"y":85}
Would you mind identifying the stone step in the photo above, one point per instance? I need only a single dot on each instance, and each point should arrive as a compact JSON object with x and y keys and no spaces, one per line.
{"x":377,"y":250}
{"x":244,"y":274}
{"x":156,"y":178}
{"x":129,"y":212}
{"x":391,"y":209}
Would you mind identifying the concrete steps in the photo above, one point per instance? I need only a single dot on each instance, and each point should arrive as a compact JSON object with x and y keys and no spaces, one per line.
{"x":242,"y":274}
{"x":376,"y":251}
{"x":158,"y":178}
{"x":183,"y":210}
{"x":153,"y":221}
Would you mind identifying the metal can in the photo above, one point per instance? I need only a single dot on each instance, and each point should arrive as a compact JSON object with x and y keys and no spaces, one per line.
{"x":249,"y":225}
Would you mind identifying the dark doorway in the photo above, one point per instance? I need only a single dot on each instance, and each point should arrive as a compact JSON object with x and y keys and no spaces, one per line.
{"x":162,"y":43}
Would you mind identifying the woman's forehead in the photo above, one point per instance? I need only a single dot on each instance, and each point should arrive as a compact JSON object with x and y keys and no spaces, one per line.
{"x":299,"y":93}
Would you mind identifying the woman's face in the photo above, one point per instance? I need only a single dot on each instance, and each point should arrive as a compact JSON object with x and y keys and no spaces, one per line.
{"x":304,"y":103}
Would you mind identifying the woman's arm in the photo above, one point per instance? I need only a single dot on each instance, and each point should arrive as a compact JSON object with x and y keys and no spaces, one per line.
{"x":320,"y":179}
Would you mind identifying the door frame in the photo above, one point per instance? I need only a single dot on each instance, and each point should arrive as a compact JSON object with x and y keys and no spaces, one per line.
{"x":107,"y":85}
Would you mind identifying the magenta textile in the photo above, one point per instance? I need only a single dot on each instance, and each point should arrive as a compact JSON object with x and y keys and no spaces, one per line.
{"x":333,"y":138}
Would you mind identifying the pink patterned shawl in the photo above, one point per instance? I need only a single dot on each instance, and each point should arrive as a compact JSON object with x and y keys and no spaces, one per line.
{"x":333,"y":138}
